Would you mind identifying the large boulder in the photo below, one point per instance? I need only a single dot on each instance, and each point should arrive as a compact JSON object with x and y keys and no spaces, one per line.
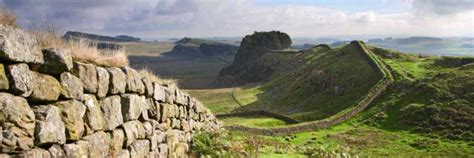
{"x":22,"y":79}
{"x":17,"y":122}
{"x":46,"y":88}
{"x":131,"y":106}
{"x":99,"y":144}
{"x":94,"y":117}
{"x":133,"y":130}
{"x":72,"y":87}
{"x":72,"y":113}
{"x":88,"y":75}
{"x":18,"y":46}
{"x":117,"y":81}
{"x":134,"y":81}
{"x":56,"y":61}
{"x":103,"y":79}
{"x":3,"y":78}
{"x":111,"y":109}
{"x":49,"y":127}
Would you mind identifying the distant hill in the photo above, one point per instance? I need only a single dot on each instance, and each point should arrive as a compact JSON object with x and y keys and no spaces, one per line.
{"x":428,"y":45}
{"x":100,"y":38}
{"x":193,"y":47}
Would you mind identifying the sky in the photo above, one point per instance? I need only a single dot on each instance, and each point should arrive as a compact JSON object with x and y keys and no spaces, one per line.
{"x":228,"y":18}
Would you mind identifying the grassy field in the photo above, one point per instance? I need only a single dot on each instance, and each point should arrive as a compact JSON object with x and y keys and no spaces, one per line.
{"x":217,"y":100}
{"x":257,"y":121}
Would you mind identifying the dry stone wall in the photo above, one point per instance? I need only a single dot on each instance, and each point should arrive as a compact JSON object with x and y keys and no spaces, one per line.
{"x":373,"y":93}
{"x":51,"y":106}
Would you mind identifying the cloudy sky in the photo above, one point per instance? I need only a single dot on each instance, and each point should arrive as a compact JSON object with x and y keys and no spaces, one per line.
{"x":210,"y":18}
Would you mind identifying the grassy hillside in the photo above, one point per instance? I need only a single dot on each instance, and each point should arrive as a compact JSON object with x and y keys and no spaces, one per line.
{"x":427,"y":111}
{"x":318,"y":88}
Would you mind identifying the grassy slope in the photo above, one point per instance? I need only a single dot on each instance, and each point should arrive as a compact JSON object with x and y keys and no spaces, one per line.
{"x":257,"y":121}
{"x":311,"y":91}
{"x":387,"y":128}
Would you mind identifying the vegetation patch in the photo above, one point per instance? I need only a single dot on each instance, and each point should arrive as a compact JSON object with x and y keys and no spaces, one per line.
{"x":256,"y":121}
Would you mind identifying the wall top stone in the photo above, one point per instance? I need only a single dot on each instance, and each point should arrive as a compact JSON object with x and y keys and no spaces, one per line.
{"x":18,"y":46}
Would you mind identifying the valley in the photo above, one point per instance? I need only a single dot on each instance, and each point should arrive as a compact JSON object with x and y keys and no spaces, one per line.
{"x":322,"y":84}
{"x":236,"y":78}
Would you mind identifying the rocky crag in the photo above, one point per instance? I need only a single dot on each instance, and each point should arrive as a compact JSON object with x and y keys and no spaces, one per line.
{"x":52,"y":106}
{"x":251,"y":63}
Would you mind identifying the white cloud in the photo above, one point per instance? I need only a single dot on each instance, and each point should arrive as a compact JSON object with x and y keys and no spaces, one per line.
{"x":158,"y":18}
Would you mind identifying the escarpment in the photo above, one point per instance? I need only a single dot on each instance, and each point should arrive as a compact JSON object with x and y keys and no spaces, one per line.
{"x":249,"y":64}
{"x":52,"y":106}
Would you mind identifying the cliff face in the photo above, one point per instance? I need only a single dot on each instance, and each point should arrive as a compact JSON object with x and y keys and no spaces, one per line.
{"x":51,"y":106}
{"x":249,"y":65}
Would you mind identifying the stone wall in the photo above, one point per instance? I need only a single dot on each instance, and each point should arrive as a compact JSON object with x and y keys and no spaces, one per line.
{"x":51,"y":106}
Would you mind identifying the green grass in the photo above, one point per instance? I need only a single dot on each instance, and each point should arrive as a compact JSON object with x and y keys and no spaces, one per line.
{"x":369,"y":141}
{"x":248,"y":94}
{"x":257,"y":121}
{"x":217,"y":100}
{"x":309,"y":92}
{"x":379,"y":130}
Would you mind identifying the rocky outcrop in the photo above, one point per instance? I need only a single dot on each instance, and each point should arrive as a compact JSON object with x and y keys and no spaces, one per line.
{"x":62,"y":108}
{"x":248,"y":65}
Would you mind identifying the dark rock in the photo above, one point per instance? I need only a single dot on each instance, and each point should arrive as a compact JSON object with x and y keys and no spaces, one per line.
{"x":56,"y":61}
